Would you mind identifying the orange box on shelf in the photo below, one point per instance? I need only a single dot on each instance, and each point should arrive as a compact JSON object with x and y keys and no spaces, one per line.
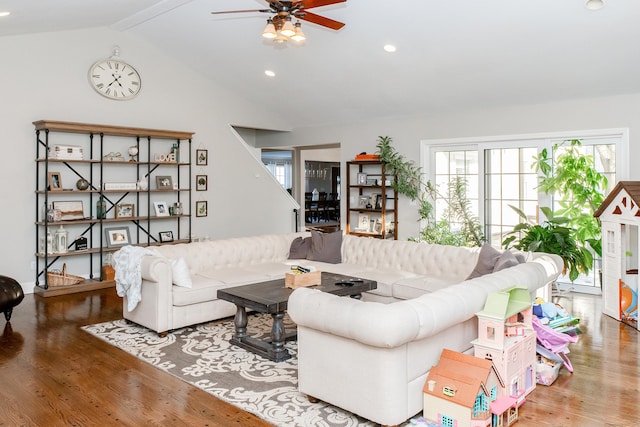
{"x":367,"y":156}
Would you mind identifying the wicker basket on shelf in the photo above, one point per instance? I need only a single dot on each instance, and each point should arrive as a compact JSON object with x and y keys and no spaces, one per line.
{"x":61,"y":278}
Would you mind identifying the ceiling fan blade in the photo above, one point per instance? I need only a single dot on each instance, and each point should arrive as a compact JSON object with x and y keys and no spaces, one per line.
{"x":242,"y":11}
{"x":320,"y":20}
{"x":309,"y":4}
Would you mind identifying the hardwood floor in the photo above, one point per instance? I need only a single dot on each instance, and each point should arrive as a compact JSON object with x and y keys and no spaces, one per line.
{"x":54,"y":374}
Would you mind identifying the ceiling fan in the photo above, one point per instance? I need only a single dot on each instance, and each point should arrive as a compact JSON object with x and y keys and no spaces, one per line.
{"x":279,"y":25}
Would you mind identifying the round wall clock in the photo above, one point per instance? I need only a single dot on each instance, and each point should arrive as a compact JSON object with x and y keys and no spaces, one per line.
{"x":115,"y":79}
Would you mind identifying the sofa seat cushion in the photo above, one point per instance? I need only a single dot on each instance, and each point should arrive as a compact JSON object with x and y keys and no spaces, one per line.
{"x":202,"y":289}
{"x":272,"y":270}
{"x":234,"y":275}
{"x":416,"y":286}
{"x":346,"y":269}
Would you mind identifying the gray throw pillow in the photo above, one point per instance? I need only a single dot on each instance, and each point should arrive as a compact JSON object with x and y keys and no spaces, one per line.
{"x":520,"y":257}
{"x":486,"y":261}
{"x":506,"y":260}
{"x":299,"y":248}
{"x":326,"y":247}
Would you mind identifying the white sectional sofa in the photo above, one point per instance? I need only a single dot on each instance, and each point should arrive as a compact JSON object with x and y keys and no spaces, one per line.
{"x":368,"y":356}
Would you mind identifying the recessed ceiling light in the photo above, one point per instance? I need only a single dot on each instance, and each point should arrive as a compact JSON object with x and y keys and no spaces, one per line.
{"x":594,"y":4}
{"x":5,"y":14}
{"x":269,"y":73}
{"x":389,"y":48}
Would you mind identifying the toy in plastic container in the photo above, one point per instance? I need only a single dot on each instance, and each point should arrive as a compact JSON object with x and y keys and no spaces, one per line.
{"x":556,"y":342}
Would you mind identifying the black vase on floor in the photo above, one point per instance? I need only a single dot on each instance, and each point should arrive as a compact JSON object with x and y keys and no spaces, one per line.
{"x":11,"y":294}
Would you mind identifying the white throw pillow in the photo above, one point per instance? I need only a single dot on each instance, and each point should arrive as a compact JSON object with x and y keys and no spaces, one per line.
{"x":181,"y":276}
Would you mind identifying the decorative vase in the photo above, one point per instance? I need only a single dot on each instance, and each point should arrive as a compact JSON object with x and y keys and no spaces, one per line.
{"x":101,"y":208}
{"x":82,"y":184}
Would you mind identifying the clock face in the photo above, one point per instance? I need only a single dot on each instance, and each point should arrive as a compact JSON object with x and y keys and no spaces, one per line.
{"x":115,"y":79}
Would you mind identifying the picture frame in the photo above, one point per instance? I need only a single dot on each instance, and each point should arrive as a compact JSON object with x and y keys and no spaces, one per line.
{"x":362,"y":178}
{"x":55,"y":181}
{"x":166,"y":236}
{"x":161,"y":208}
{"x":378,"y":204}
{"x":125,"y":210}
{"x":201,"y":208}
{"x":202,"y":157}
{"x":363,"y":222}
{"x":202,"y":182}
{"x":164,"y":182}
{"x":363,"y":201}
{"x":69,"y":209}
{"x":117,"y":236}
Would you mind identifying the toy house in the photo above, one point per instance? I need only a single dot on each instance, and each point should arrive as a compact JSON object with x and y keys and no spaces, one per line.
{"x":466,"y":391}
{"x":506,"y":337}
{"x":619,"y":215}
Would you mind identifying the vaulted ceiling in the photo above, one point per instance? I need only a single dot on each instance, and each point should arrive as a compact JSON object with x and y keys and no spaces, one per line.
{"x":451,"y":54}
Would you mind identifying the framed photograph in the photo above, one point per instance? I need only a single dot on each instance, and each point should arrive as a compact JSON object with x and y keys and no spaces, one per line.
{"x":201,"y":208}
{"x":363,"y":201}
{"x":201,"y":182}
{"x":125,"y":210}
{"x":161,"y":208}
{"x":166,"y":236}
{"x":363,"y":222}
{"x":362,"y":179}
{"x":202,"y":157}
{"x":164,"y":183}
{"x":69,"y":210}
{"x":55,"y":181}
{"x":378,"y":227}
{"x":117,"y":236}
{"x":378,"y":204}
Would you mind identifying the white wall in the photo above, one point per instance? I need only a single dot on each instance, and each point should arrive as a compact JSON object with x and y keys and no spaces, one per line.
{"x":45,"y":77}
{"x":574,"y":115}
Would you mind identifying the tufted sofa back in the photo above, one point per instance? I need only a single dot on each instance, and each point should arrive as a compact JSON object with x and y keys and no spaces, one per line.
{"x":447,"y":262}
{"x":233,"y":252}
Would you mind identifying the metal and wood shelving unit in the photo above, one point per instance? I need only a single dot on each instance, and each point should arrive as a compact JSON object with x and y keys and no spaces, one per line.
{"x":97,"y":142}
{"x":372,"y":203}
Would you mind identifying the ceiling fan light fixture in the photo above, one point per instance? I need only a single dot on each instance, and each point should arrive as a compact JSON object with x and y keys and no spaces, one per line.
{"x":594,"y":4}
{"x":299,"y":35}
{"x":288,"y":30}
{"x":280,"y":38}
{"x":269,"y":31}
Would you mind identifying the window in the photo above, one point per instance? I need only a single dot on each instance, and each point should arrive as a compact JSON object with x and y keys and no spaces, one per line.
{"x":499,"y":173}
{"x":458,"y":163}
{"x":509,"y":181}
{"x":480,"y":406}
{"x":446,"y":421}
{"x":279,"y":163}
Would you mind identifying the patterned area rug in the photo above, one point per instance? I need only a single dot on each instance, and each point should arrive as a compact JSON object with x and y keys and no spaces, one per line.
{"x":202,"y":356}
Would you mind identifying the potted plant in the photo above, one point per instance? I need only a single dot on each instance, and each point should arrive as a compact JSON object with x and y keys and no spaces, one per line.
{"x":579,"y":189}
{"x":409,"y":183}
{"x":553,"y":236}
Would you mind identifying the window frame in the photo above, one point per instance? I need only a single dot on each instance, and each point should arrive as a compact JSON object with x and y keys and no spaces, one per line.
{"x":428,"y":148}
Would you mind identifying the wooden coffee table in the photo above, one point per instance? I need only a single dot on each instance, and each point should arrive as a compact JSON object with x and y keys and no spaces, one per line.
{"x":271,"y":297}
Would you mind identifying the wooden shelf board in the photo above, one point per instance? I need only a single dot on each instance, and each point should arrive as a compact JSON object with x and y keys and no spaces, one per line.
{"x":73,"y":127}
{"x":86,"y":286}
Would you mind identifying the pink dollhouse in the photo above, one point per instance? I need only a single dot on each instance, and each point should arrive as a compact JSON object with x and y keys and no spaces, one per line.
{"x":506,"y":337}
